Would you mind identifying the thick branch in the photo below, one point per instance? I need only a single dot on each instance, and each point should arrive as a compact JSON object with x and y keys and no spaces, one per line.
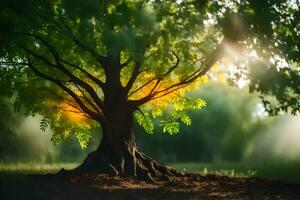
{"x":87,"y":99}
{"x":93,"y":78}
{"x":59,"y":83}
{"x":57,"y":57}
{"x":134,"y":75}
{"x":75,"y":106}
{"x":73,"y":78}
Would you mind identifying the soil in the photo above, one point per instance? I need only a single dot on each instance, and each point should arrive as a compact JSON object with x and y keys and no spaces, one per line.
{"x":190,"y":186}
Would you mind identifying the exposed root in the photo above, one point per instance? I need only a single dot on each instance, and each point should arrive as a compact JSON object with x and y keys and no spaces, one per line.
{"x":133,"y":163}
{"x":143,"y":173}
{"x":155,"y":168}
{"x":147,"y":163}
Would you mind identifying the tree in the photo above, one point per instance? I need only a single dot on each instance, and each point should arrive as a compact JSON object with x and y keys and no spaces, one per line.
{"x":230,"y":108}
{"x":92,"y":62}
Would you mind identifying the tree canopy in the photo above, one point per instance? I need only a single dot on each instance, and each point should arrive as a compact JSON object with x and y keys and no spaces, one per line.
{"x":68,"y":59}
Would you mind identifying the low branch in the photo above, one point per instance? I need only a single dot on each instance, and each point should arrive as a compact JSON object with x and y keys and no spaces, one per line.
{"x":73,"y":78}
{"x":87,"y":99}
{"x":57,"y":57}
{"x":60,"y":84}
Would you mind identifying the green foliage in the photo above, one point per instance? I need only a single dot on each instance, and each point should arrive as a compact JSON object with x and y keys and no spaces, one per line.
{"x":281,"y":93}
{"x":171,"y":127}
{"x":135,"y":29}
{"x":189,"y":103}
{"x":67,"y":33}
{"x":272,"y":28}
{"x":169,"y":119}
{"x":145,"y":121}
{"x":223,"y":130}
{"x":183,"y":117}
{"x":44,"y":124}
{"x":83,"y":135}
{"x":64,"y":131}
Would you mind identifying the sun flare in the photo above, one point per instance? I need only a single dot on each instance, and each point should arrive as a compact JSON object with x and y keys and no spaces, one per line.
{"x":234,"y":65}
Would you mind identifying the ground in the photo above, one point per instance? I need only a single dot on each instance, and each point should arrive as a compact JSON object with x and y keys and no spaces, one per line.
{"x":191,"y":186}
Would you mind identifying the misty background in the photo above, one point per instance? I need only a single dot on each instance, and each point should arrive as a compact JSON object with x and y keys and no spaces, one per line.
{"x":233,"y":128}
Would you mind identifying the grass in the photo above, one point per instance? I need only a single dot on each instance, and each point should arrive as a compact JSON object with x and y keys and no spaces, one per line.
{"x":223,"y":169}
{"x":284,"y":170}
{"x":227,"y":169}
{"x":288,"y":172}
{"x":33,"y":168}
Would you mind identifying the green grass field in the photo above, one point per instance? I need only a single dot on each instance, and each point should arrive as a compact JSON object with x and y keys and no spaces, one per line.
{"x":276,"y":171}
{"x":33,"y":168}
{"x":226,"y":169}
{"x":287,"y":171}
{"x":223,"y":169}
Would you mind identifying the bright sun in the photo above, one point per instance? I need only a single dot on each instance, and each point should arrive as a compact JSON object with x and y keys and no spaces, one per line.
{"x":235,"y":62}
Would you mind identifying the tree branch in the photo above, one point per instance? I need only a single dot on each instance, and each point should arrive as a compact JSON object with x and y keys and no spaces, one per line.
{"x":59,"y":83}
{"x":212,"y":59}
{"x":142,"y":86}
{"x":134,"y":75}
{"x":87,"y":99}
{"x":126,"y":62}
{"x":158,"y":79}
{"x":73,"y":78}
{"x":172,"y":68}
{"x":100,"y":58}
{"x":57,"y":57}
{"x":93,"y":78}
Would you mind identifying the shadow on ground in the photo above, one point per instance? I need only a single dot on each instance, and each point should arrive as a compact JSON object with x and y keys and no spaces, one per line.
{"x":193,"y":186}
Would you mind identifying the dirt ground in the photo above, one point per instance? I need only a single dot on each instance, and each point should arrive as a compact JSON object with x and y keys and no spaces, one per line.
{"x":192,"y":186}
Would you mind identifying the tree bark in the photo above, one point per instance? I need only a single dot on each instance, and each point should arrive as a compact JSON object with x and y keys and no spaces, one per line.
{"x":118,"y":154}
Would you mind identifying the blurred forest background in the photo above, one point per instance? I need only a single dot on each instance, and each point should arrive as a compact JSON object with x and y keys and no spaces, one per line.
{"x":231,"y":133}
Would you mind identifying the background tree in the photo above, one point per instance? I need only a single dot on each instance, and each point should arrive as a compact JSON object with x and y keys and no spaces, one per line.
{"x":225,"y":138}
{"x":87,"y":63}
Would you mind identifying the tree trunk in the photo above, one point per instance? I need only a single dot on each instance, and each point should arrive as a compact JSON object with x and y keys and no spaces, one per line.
{"x":118,"y":154}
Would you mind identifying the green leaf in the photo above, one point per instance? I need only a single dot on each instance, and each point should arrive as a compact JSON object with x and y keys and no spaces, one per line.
{"x":157,"y":113}
{"x":186,"y":119}
{"x":145,"y":121}
{"x":83,"y":136}
{"x":44,"y":124}
{"x":171,"y":127}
